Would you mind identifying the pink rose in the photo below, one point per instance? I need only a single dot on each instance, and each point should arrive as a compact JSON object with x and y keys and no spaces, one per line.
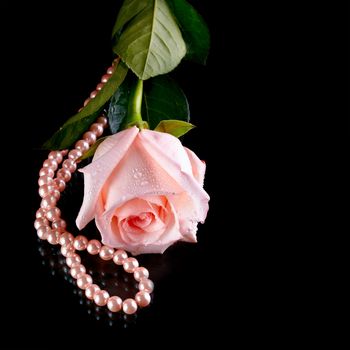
{"x":145,"y":191}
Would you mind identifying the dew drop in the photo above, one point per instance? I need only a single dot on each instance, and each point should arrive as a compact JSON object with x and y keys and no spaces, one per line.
{"x":138,"y":175}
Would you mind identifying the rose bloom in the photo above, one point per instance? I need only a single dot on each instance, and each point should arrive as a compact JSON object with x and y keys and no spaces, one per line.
{"x":145,"y":191}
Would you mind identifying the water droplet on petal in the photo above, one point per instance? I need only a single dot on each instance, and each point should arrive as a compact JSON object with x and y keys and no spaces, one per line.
{"x":138,"y":174}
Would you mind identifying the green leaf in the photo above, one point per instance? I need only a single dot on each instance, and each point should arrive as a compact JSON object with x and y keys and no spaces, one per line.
{"x":76,"y":125}
{"x":118,"y":106}
{"x":163,"y":99}
{"x":128,"y":11}
{"x":194,"y":30}
{"x":176,"y":128}
{"x":151,"y":42}
{"x":93,"y":148}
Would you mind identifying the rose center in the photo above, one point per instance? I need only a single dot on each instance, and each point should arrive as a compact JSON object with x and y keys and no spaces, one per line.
{"x":140,"y":221}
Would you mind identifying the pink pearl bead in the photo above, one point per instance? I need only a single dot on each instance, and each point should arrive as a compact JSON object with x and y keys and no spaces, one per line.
{"x":66,"y":238}
{"x":80,"y":242}
{"x":46,"y":172}
{"x":55,"y":155}
{"x":110,"y":70}
{"x":146,"y":285}
{"x":73,"y":259}
{"x":43,"y":232}
{"x":94,"y":247}
{"x":82,"y":146}
{"x":130,"y":264}
{"x":60,"y":184}
{"x":59,"y":225}
{"x":93,"y":94}
{"x":120,"y":256}
{"x":106,"y":253}
{"x":114,"y":304}
{"x":40,"y":213}
{"x":97,"y":129}
{"x":140,"y":272}
{"x":45,"y":190}
{"x":100,"y":86}
{"x":76,"y":264}
{"x":89,"y":137}
{"x":91,"y":290}
{"x":64,"y":174}
{"x":75,"y":154}
{"x":129,"y":306}
{"x":142,"y":298}
{"x":77,"y":269}
{"x":56,"y":193}
{"x":53,"y":237}
{"x":45,"y":180}
{"x":71,"y":253}
{"x":101,"y":297}
{"x":84,"y":281}
{"x":41,"y":222}
{"x":48,"y":202}
{"x":50,"y":163}
{"x":53,"y":214}
{"x":102,"y":120}
{"x":87,"y":101}
{"x":105,"y":78}
{"x":70,"y":165}
{"x":67,"y":250}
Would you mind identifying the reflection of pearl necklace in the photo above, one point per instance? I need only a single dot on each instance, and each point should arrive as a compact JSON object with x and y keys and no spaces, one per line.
{"x":50,"y":188}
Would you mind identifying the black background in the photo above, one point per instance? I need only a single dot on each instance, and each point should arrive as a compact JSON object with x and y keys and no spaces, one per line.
{"x":55,"y":54}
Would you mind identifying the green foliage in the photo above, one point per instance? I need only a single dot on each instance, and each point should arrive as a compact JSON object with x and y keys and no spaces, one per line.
{"x":176,"y":128}
{"x":149,"y":39}
{"x":163,"y":99}
{"x":194,"y":30}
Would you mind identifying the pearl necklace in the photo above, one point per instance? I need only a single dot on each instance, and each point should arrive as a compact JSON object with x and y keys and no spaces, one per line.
{"x":51,"y":227}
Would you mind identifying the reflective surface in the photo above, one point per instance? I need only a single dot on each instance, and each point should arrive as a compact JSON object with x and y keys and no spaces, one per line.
{"x":106,"y":274}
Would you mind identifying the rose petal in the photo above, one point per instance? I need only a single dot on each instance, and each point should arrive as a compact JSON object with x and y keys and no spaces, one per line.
{"x":168,"y":151}
{"x":138,"y":175}
{"x":186,"y":213}
{"x":141,"y":236}
{"x":155,"y":242}
{"x":96,"y":173}
{"x":159,"y":201}
{"x":135,"y":234}
{"x":133,"y":207}
{"x":198,"y":167}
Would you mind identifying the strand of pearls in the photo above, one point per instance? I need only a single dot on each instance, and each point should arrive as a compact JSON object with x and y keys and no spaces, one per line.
{"x":51,"y":227}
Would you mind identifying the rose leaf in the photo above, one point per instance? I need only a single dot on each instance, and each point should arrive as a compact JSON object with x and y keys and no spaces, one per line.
{"x":149,"y":39}
{"x":79,"y":123}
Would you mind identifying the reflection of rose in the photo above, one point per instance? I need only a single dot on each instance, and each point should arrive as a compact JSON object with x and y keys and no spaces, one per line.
{"x":144,"y":190}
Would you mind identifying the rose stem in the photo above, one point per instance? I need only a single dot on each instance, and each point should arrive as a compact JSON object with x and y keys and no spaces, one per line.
{"x":134,"y":109}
